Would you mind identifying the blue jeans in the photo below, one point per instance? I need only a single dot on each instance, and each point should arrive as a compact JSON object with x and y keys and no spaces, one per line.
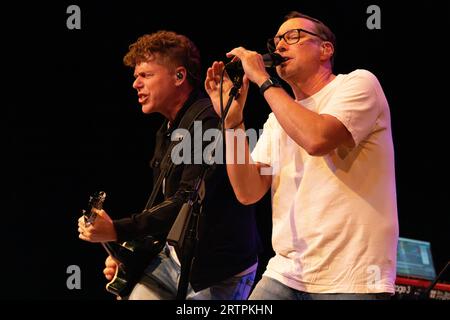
{"x":160,"y":282}
{"x":271,"y":289}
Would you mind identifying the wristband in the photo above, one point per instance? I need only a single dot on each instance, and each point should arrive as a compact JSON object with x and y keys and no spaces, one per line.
{"x":271,"y":82}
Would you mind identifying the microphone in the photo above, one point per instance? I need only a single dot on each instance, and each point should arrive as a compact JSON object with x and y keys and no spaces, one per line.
{"x":271,"y":60}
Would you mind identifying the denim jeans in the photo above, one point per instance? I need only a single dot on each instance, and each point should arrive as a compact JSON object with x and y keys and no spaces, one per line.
{"x":160,"y":282}
{"x":271,"y":289}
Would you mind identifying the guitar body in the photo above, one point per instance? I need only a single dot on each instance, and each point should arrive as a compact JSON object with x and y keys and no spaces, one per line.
{"x":132,"y":257}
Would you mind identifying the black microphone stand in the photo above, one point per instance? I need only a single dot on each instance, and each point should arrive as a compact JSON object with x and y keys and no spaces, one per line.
{"x":184,"y":232}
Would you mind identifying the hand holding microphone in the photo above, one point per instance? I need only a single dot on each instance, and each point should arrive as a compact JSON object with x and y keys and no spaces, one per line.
{"x":253,"y":64}
{"x":270,"y":60}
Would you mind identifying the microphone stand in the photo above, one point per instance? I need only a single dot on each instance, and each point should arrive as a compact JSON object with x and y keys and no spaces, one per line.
{"x":184,"y":233}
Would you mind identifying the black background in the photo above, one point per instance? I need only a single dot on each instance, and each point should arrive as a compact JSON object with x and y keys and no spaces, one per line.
{"x":74,"y":125}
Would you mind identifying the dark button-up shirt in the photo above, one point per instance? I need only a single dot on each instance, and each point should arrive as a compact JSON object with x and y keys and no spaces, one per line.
{"x":228,"y":240}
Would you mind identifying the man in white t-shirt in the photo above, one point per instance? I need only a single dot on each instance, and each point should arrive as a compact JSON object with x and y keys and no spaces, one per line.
{"x":328,"y":157}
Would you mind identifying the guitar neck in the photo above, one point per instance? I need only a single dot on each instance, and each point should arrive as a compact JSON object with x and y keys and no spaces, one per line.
{"x":118,"y":251}
{"x":95,"y":202}
{"x":109,"y":249}
{"x":113,"y":248}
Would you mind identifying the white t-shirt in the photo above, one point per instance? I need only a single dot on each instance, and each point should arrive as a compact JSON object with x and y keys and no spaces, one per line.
{"x":335,"y":225}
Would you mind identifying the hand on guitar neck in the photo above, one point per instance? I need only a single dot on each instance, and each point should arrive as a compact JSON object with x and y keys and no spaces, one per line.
{"x":126,"y":261}
{"x":101,"y":229}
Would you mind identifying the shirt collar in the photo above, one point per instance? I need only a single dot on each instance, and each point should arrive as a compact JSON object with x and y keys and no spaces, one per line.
{"x":194,"y":95}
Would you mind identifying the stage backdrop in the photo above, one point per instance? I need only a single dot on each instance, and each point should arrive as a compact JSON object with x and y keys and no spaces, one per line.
{"x":74,"y":125}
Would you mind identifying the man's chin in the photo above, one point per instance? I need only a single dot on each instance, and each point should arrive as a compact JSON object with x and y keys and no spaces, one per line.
{"x":147,"y":109}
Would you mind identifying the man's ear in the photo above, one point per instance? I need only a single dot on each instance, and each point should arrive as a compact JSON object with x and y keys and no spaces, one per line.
{"x":180,"y":75}
{"x":326,"y":50}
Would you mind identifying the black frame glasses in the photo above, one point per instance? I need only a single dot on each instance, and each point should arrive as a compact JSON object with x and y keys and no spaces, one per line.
{"x":290,"y":37}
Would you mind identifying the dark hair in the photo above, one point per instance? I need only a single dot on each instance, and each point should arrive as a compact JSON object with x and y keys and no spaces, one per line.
{"x":321,"y":29}
{"x":172,"y":48}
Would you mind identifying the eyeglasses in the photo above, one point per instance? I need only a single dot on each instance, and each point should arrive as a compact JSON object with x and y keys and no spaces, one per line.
{"x":290,"y":37}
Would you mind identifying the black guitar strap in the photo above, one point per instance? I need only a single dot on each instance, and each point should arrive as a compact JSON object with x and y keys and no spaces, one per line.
{"x":192,"y":114}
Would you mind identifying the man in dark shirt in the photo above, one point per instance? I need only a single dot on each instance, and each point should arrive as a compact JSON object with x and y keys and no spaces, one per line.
{"x":167,"y":77}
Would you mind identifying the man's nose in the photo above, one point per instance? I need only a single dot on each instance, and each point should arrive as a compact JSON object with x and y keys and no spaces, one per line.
{"x":137,"y":83}
{"x":281,"y":46}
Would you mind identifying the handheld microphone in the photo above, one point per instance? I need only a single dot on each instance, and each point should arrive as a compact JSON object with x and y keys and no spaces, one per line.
{"x":271,"y":60}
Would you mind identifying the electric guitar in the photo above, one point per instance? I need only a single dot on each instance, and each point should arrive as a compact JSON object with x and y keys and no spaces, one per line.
{"x":132,"y":257}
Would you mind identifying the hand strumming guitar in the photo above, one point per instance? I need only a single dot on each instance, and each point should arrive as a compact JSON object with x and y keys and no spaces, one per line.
{"x":110,"y":268}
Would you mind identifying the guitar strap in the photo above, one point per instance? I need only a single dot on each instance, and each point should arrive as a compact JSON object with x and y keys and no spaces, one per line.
{"x":192,"y":114}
